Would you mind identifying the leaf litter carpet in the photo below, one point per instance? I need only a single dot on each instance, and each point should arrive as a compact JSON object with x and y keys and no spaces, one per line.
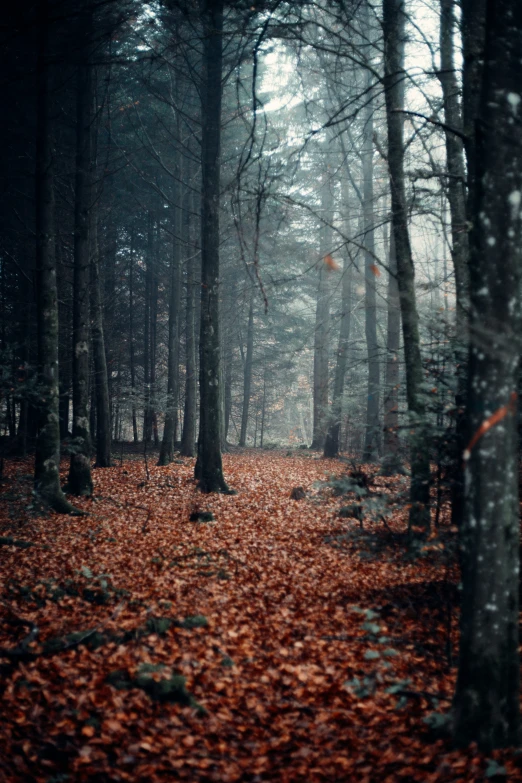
{"x":267,"y":640}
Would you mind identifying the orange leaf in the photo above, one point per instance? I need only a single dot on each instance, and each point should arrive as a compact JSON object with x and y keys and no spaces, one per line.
{"x":88,"y":731}
{"x":331,"y":264}
{"x":490,"y":422}
{"x":374,"y":269}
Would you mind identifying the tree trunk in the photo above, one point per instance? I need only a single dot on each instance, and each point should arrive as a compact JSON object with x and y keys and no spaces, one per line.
{"x":108,"y":286}
{"x":80,"y":480}
{"x":263,"y":411}
{"x":394,"y":37}
{"x":147,"y":407}
{"x":486,"y":703}
{"x":322,"y":323}
{"x":228,"y":391}
{"x":473,"y":26}
{"x":167,"y":444}
{"x":456,"y":192}
{"x":101,"y":383}
{"x":372,"y":435}
{"x":331,"y":446}
{"x":132,"y":360}
{"x":154,"y":341}
{"x":188,"y":438}
{"x":209,"y":470}
{"x":247,"y":372}
{"x":391,"y":462}
{"x":47,"y":459}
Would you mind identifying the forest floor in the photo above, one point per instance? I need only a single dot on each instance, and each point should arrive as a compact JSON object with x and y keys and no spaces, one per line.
{"x":277,"y":641}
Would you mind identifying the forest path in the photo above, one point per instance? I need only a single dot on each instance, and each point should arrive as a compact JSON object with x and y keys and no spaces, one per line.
{"x":311,"y":651}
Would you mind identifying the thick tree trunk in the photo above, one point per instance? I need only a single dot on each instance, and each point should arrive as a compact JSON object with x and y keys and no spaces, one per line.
{"x":47,"y":459}
{"x":209,"y":470}
{"x":391,"y":462}
{"x":167,"y":444}
{"x":486,"y":703}
{"x":80,"y":480}
{"x":322,"y":323}
{"x":372,"y":435}
{"x":101,"y":382}
{"x":456,"y":192}
{"x":394,"y":37}
{"x":247,"y":372}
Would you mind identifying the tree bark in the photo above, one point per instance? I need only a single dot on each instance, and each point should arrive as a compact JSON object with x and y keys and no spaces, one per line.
{"x":154,"y":339}
{"x":322,"y":323}
{"x":486,"y":703}
{"x":101,"y":382}
{"x":132,"y":360}
{"x":47,"y":459}
{"x":394,"y":38}
{"x":209,"y":469}
{"x":80,"y":480}
{"x":331,"y":446}
{"x":372,"y":435}
{"x":193,"y":275}
{"x":167,"y":444}
{"x":473,"y":26}
{"x":456,"y":193}
{"x":247,"y":371}
{"x":147,"y":359}
{"x":391,"y":462}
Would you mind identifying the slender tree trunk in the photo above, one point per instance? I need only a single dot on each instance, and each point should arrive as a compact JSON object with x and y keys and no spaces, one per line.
{"x":64,"y":286}
{"x":487,"y":698}
{"x":331,"y":446}
{"x":192,"y":259}
{"x":167,"y":444}
{"x":391,"y":462}
{"x":80,"y":480}
{"x":372,"y":435}
{"x":109,"y":298}
{"x":394,"y":37}
{"x":132,"y":360}
{"x":228,"y":354}
{"x":154,"y":343}
{"x":101,"y":383}
{"x":209,"y":470}
{"x":228,"y":391}
{"x":247,"y":371}
{"x":322,"y":323}
{"x":263,"y":411}
{"x":47,"y":459}
{"x":473,"y":26}
{"x":92,"y":397}
{"x":147,"y":407}
{"x":456,"y":192}
{"x":27,"y":298}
